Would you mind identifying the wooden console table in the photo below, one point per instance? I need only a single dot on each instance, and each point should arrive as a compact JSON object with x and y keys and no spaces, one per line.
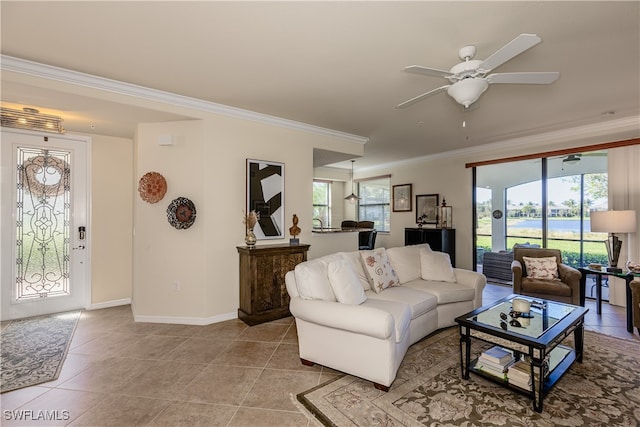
{"x":263,"y":293}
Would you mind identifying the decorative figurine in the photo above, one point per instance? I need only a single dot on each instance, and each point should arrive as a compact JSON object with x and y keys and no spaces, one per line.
{"x":294,"y":230}
{"x":250,"y":221}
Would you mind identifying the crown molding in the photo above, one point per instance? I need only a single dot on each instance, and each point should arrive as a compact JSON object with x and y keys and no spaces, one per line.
{"x":617,"y":126}
{"x":49,"y":72}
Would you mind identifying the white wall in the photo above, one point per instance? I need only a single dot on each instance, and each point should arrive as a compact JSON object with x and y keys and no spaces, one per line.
{"x":207,"y":165}
{"x":111,"y":220}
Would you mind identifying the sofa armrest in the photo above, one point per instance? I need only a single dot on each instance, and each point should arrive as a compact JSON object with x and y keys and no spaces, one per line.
{"x":353,"y":318}
{"x":473,"y":279}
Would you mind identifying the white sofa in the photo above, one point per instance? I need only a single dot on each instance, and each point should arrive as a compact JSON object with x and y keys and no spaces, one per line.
{"x":348,"y":317}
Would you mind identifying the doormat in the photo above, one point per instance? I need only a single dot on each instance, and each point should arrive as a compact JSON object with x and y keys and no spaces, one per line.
{"x":34,"y":349}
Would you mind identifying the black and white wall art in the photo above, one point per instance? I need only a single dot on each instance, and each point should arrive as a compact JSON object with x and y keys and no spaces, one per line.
{"x":265,"y":195}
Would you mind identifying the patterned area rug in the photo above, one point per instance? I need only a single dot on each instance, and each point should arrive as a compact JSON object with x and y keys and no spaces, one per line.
{"x":604,"y":390}
{"x":33,"y":349}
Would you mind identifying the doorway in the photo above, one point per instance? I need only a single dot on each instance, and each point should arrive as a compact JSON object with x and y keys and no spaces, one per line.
{"x":45,"y":233}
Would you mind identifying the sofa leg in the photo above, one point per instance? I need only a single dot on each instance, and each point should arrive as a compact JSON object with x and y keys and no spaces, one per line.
{"x":306,"y":362}
{"x":381,"y":387}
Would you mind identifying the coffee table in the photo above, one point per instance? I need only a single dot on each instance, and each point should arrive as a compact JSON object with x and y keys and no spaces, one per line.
{"x":538,"y":340}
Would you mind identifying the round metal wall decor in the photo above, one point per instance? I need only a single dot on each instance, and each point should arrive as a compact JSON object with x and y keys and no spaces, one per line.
{"x":497,"y":214}
{"x":181,"y":213}
{"x":152,"y":187}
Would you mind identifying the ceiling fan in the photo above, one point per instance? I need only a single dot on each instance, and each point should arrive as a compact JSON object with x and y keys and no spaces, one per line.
{"x":470,"y":78}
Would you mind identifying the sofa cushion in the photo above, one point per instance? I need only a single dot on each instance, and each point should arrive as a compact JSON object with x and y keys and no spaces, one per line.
{"x":541,"y":268}
{"x":420,"y":302}
{"x":405,"y":260}
{"x":381,"y":274}
{"x":445,"y":292}
{"x":436,"y":266}
{"x":345,"y":283}
{"x":312,"y":279}
{"x":400,"y":312}
{"x":356,"y":263}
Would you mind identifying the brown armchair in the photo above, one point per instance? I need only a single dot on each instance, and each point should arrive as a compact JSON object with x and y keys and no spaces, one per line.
{"x":566,"y":290}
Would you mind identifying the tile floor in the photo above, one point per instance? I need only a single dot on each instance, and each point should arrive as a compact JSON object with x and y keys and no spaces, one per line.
{"x":122,"y":373}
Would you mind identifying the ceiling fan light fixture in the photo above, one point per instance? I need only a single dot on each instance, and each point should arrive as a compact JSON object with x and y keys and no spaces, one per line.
{"x":467,"y":91}
{"x":571,"y":159}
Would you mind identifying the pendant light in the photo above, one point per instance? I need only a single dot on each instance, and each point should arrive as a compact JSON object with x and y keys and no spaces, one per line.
{"x":352,"y":197}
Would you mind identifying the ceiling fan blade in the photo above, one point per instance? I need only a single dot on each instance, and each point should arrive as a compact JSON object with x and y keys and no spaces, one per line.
{"x":514,"y":48}
{"x":426,"y":71}
{"x":533,"y":78}
{"x":423,"y":96}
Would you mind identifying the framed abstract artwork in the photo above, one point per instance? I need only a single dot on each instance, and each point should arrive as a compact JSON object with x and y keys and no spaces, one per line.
{"x":402,"y":198}
{"x":265,"y":195}
{"x":427,"y":208}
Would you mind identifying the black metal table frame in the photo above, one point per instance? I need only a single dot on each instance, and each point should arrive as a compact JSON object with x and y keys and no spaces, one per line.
{"x":536,"y":348}
{"x":626,"y":275}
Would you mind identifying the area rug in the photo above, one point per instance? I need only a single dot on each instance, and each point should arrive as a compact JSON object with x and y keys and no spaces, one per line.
{"x":34,"y":349}
{"x":603,"y":390}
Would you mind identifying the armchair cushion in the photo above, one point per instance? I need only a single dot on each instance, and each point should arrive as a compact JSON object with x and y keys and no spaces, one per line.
{"x":541,"y":268}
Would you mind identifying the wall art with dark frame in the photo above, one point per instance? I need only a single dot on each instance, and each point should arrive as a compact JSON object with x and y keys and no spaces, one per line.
{"x":427,"y":208}
{"x":265,"y":195}
{"x":402,"y":198}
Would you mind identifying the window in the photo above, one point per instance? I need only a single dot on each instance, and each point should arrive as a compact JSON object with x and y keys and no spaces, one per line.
{"x":322,"y":202}
{"x":375,"y":202}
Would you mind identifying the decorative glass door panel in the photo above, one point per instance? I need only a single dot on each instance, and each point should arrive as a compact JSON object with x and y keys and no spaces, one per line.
{"x":44,"y":224}
{"x":42,"y":219}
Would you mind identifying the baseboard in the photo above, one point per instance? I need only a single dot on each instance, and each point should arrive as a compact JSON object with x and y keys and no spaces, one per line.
{"x":180,"y":320}
{"x":108,"y":304}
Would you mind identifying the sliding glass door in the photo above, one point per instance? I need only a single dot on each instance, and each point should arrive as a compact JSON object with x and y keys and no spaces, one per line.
{"x":543,"y":202}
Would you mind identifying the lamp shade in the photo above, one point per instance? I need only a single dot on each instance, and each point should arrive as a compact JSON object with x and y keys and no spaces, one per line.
{"x":613,"y":221}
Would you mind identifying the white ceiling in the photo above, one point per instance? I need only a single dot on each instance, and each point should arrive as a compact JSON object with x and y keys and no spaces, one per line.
{"x":336,"y":65}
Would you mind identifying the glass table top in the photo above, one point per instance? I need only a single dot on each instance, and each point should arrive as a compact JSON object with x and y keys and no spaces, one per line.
{"x":542,"y":317}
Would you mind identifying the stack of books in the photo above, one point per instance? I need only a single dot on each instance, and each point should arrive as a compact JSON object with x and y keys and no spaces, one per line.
{"x":495,"y":361}
{"x":519,"y":374}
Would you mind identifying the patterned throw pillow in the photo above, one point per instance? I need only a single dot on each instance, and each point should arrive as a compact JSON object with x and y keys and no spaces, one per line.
{"x":381,"y":274}
{"x":541,"y":268}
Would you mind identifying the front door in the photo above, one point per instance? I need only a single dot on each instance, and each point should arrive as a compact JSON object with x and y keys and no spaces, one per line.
{"x":44,"y":228}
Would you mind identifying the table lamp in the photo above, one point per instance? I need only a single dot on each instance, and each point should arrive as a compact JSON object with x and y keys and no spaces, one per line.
{"x":613,"y":222}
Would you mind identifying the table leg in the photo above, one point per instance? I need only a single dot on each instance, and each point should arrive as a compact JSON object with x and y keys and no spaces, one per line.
{"x":465,"y":353}
{"x":583,"y":287}
{"x":628,"y":280}
{"x":598,"y":294}
{"x":578,"y":336}
{"x":537,"y":371}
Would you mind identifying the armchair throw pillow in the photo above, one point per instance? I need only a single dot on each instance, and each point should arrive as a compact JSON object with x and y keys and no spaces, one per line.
{"x":541,"y":268}
{"x":378,"y":268}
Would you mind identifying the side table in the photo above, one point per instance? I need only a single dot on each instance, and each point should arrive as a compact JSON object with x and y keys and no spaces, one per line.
{"x":626,"y":275}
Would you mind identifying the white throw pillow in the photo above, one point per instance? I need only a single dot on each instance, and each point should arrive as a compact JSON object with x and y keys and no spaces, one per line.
{"x":345,"y":283}
{"x":436,"y":266}
{"x":541,"y":268}
{"x":381,"y":274}
{"x":312,"y":280}
{"x":354,"y":259}
{"x":405,"y":261}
